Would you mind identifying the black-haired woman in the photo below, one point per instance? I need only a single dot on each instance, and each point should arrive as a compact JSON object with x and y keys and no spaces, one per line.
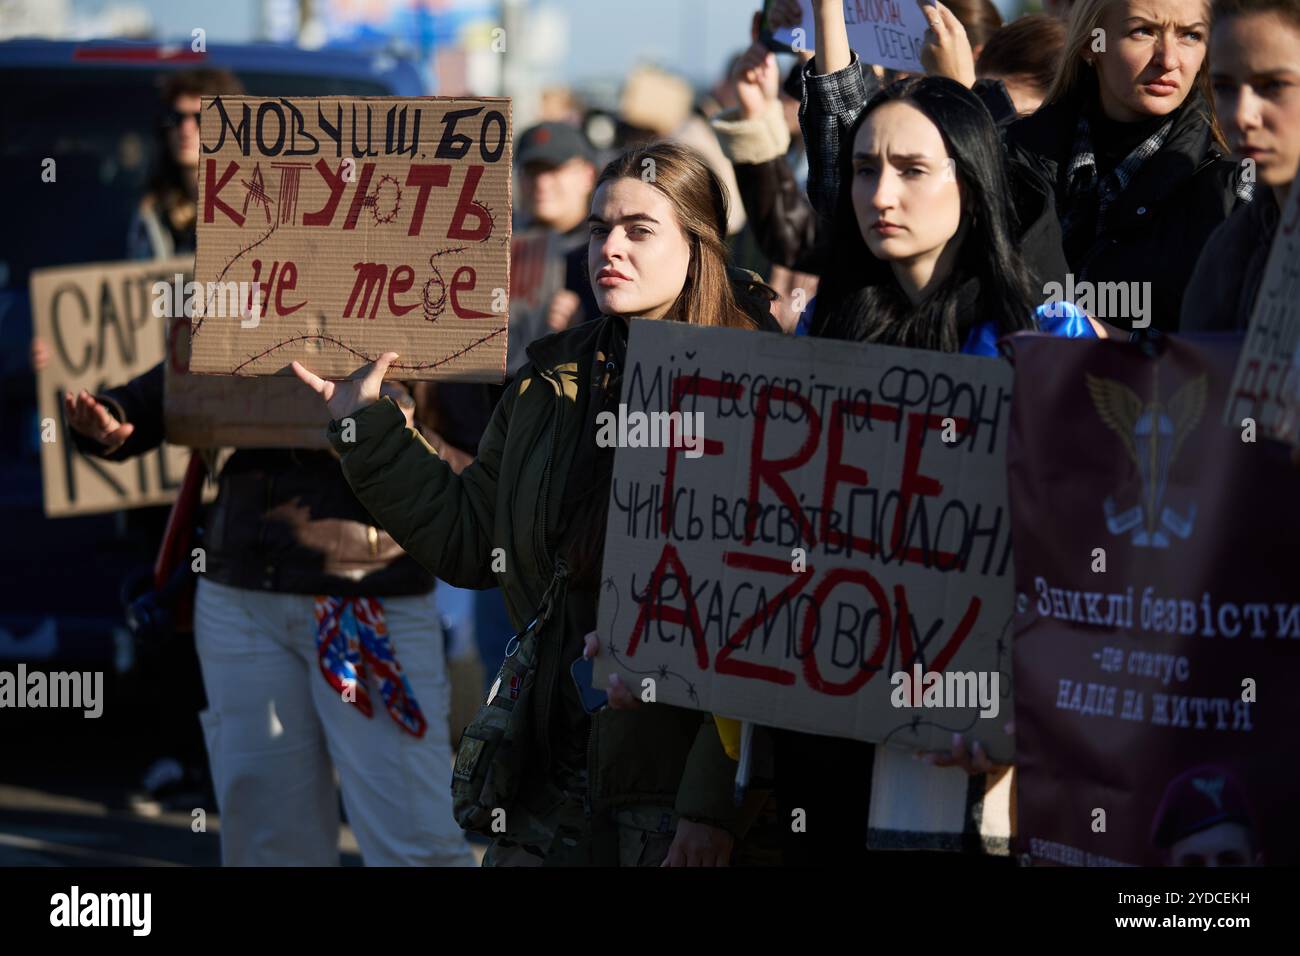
{"x":1127,"y":143}
{"x":921,"y":252}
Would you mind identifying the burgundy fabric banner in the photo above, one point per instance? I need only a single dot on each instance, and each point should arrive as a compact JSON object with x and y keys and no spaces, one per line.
{"x":1157,"y":639}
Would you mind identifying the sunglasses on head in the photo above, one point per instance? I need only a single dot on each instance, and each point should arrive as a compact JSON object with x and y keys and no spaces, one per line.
{"x":177,"y":117}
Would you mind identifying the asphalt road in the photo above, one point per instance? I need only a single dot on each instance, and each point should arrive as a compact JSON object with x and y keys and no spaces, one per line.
{"x":66,"y":787}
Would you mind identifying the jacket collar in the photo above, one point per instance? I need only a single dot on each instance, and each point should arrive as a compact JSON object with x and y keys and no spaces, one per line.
{"x":1050,"y":132}
{"x":608,"y":334}
{"x":1189,"y":146}
{"x":565,"y":348}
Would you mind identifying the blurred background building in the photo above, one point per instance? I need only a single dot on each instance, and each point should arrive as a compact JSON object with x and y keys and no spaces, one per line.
{"x":537,"y":51}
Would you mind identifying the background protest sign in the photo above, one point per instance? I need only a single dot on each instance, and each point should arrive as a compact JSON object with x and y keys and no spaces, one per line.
{"x":536,"y":275}
{"x":234,"y":411}
{"x":99,"y":323}
{"x":368,"y":224}
{"x":825,"y":537}
{"x":1266,"y":386}
{"x":1155,"y":705}
{"x":886,"y":33}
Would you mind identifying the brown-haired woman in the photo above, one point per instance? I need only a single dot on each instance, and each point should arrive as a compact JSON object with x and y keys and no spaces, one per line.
{"x":639,"y":787}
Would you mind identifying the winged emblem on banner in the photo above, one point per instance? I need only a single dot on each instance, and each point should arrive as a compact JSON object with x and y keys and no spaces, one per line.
{"x":1153,"y":434}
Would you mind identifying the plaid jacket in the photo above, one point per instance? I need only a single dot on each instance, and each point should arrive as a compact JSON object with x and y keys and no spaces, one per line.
{"x":830,"y":106}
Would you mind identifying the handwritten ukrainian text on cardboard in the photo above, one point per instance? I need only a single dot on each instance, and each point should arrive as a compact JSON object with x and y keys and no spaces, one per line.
{"x":334,"y":229}
{"x":812,"y":535}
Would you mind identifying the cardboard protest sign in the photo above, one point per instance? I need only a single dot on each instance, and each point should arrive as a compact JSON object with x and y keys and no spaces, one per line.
{"x":813,"y":537}
{"x":99,"y":323}
{"x":1266,"y":386}
{"x":536,"y":274}
{"x":1158,"y":642}
{"x":888,"y":33}
{"x":334,"y":229}
{"x":233,"y":411}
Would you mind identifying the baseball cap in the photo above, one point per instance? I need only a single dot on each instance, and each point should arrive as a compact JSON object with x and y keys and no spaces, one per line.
{"x":552,"y":144}
{"x":1197,"y":799}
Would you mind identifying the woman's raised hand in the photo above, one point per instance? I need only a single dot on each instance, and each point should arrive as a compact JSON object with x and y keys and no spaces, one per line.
{"x":947,"y":51}
{"x":358,"y":391}
{"x":757,"y":80}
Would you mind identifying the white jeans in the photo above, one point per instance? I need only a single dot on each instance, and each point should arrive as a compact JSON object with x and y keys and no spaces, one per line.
{"x":275,"y":731}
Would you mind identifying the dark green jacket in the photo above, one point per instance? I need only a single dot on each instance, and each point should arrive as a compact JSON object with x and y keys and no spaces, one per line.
{"x":509,"y":498}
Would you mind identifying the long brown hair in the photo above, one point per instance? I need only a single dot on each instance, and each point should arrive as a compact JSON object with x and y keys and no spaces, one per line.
{"x":699,"y":200}
{"x":1085,"y":17}
{"x":707,"y":298}
{"x":1029,"y":48}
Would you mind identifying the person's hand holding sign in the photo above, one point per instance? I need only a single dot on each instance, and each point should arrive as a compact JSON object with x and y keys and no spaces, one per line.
{"x":620,"y":695}
{"x":972,"y":759}
{"x":353,"y":394}
{"x":947,"y":51}
{"x":90,"y":418}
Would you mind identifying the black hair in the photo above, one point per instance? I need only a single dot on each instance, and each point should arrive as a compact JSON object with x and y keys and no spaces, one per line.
{"x":861,"y":299}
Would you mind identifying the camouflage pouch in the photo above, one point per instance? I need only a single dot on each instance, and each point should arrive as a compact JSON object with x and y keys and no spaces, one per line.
{"x":494,"y":748}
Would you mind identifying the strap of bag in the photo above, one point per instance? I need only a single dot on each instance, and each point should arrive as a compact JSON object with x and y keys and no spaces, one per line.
{"x":546,"y":607}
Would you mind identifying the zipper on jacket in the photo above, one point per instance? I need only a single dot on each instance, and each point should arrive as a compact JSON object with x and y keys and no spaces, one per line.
{"x":544,"y":541}
{"x":540,"y":540}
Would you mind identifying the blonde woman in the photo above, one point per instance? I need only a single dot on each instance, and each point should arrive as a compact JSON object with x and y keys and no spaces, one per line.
{"x":1128,"y":141}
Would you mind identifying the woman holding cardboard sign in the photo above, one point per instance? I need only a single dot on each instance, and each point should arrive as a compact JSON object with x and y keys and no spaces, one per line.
{"x":551,"y":783}
{"x":922,"y":251}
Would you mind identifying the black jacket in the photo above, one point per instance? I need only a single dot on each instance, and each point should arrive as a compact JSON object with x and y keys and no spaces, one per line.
{"x":284,"y":520}
{"x":1222,"y":293}
{"x":1156,"y":229}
